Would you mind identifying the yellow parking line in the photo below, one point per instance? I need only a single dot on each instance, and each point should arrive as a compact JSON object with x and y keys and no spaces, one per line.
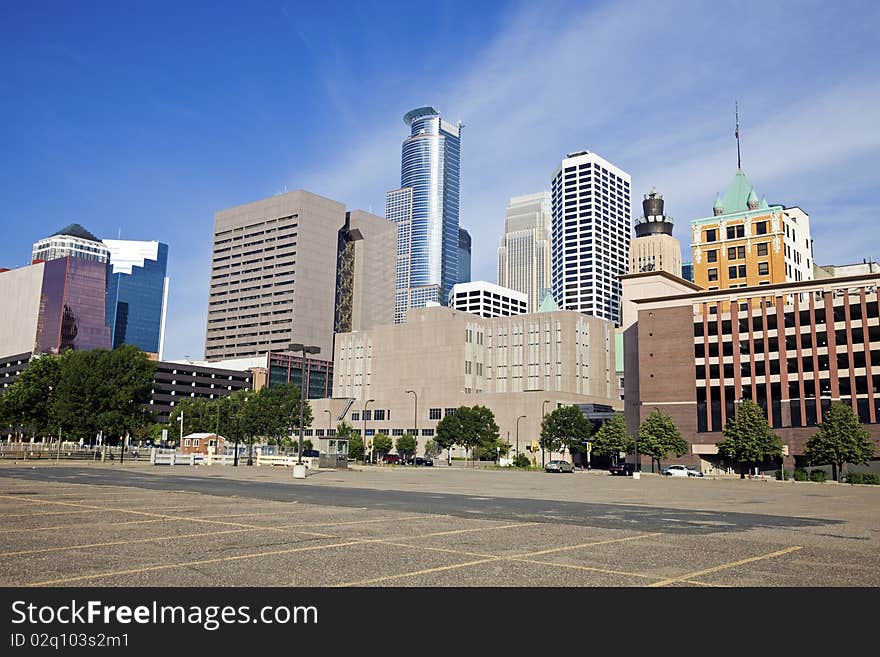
{"x":46,"y":529}
{"x":252,"y":555}
{"x":495,"y":558}
{"x":112,"y":543}
{"x":732,"y":564}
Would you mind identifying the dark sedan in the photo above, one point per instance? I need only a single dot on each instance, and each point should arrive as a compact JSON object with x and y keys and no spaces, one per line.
{"x":622,"y":469}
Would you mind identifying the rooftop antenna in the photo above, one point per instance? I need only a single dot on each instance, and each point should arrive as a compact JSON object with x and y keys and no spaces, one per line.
{"x":119,"y":233}
{"x":738,"y":158}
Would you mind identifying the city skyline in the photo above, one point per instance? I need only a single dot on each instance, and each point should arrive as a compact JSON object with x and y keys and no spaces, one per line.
{"x":805,"y":117}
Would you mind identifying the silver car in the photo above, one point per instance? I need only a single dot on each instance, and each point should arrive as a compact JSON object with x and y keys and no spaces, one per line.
{"x":558,"y":466}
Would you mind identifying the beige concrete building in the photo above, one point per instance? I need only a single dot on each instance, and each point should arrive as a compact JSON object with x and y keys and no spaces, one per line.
{"x":409,"y":376}
{"x":654,"y":248}
{"x":524,"y":253}
{"x":292,"y":268}
{"x":20,"y":291}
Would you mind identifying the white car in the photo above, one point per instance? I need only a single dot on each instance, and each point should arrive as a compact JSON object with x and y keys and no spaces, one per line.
{"x":676,"y":471}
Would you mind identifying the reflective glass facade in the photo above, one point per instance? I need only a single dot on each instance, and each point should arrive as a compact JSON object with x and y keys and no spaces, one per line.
{"x":287,"y":368}
{"x":429,"y":213}
{"x":136,"y":289}
{"x":72,"y":306}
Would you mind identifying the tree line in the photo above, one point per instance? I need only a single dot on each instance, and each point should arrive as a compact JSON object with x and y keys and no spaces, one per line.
{"x":84,"y":394}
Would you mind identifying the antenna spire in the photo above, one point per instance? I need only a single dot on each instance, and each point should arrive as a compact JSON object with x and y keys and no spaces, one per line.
{"x":738,"y":157}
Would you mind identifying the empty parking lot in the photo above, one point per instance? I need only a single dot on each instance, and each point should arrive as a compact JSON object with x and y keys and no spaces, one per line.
{"x":137,"y":525}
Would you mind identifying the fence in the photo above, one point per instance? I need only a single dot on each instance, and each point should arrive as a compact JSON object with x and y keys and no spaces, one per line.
{"x":172,"y":457}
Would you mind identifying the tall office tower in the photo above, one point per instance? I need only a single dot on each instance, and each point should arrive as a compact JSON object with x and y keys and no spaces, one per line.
{"x":590,"y":199}
{"x":487,"y":299}
{"x":687,"y":271}
{"x":53,"y":305}
{"x":654,"y":248}
{"x":72,"y":240}
{"x":749,"y":242}
{"x":292,"y":267}
{"x":137,"y":294}
{"x":524,"y":254}
{"x":464,"y":256}
{"x":425,"y":209}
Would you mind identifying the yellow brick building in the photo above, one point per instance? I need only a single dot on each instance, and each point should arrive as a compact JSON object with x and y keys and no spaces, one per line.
{"x":747,"y":242}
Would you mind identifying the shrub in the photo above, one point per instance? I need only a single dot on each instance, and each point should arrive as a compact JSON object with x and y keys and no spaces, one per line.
{"x":801,"y":475}
{"x":788,"y":474}
{"x":818,"y":475}
{"x":521,"y":461}
{"x":863,"y":478}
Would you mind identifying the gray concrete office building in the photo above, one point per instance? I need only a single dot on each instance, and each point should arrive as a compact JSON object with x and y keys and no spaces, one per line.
{"x":296,"y":267}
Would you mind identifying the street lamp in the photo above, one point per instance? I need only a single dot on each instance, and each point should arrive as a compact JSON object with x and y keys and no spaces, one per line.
{"x":545,"y":402}
{"x":517,"y":433}
{"x":303,"y":389}
{"x":329,"y":423}
{"x":365,"y":433}
{"x":415,"y":415}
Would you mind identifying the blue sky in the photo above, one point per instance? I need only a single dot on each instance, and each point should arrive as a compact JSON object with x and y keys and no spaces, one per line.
{"x":145,"y":118}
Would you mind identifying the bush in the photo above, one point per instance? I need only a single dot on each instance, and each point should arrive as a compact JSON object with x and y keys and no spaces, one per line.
{"x":863,"y":478}
{"x":788,"y":474}
{"x":521,"y":461}
{"x":818,"y":475}
{"x":801,"y":475}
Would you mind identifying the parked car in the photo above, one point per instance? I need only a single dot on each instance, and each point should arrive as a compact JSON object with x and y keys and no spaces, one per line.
{"x":623,"y":469}
{"x":558,"y":466}
{"x":676,"y":471}
{"x":391,"y":458}
{"x":423,"y":460}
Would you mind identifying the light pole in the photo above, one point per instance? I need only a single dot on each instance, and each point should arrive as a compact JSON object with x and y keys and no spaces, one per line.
{"x":329,"y":424}
{"x":545,"y":402}
{"x":303,"y":389}
{"x":365,"y":433}
{"x":180,"y":444}
{"x":415,"y":416}
{"x":517,"y":433}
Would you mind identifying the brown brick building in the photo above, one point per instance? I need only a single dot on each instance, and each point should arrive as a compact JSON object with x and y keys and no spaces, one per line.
{"x":793,"y":348}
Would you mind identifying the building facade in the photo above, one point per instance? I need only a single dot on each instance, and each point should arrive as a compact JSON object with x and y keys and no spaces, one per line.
{"x":72,"y":240}
{"x":747,"y":242}
{"x":591,"y":227}
{"x":426,"y":211}
{"x":487,"y":299}
{"x":520,"y":367}
{"x":176,"y":380}
{"x":293,"y":268}
{"x":793,"y":348}
{"x":654,"y":248}
{"x":54,"y":305}
{"x":464,"y":256}
{"x":137,"y":294}
{"x":524,"y":253}
{"x":687,"y":271}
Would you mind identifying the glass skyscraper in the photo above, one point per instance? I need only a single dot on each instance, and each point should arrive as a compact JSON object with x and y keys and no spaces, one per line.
{"x":137,"y":294}
{"x":425,"y":209}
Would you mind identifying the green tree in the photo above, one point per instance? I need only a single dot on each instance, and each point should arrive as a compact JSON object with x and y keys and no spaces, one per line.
{"x":432,"y":449}
{"x":564,"y":427}
{"x":281,"y":406}
{"x":447,"y":434}
{"x":406,"y":446}
{"x":28,"y":403}
{"x":344,"y":431}
{"x":479,"y":433}
{"x":659,"y":438}
{"x":841,"y":439}
{"x":81,"y":400}
{"x":127,"y":380}
{"x":381,"y":445}
{"x":198,"y":416}
{"x":612,"y":438}
{"x":748,"y":439}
